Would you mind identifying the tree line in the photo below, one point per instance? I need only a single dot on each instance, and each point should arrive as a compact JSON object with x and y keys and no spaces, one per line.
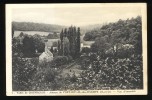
{"x":69,"y":43}
{"x":26,"y":45}
{"x":53,"y":36}
{"x":30,"y":26}
{"x":121,"y":32}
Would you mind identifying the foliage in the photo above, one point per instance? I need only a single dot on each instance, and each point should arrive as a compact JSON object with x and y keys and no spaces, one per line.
{"x":17,"y":47}
{"x":114,"y":61}
{"x":78,"y":42}
{"x":29,"y":26}
{"x":60,"y":60}
{"x":66,"y":46}
{"x":23,"y":71}
{"x":39,"y":43}
{"x":53,"y":36}
{"x":123,"y":31}
{"x":112,"y":74}
{"x":91,"y":35}
{"x":85,"y":50}
{"x":26,"y":45}
{"x":100,"y":46}
{"x":57,"y":62}
{"x":45,"y":76}
{"x":72,"y":47}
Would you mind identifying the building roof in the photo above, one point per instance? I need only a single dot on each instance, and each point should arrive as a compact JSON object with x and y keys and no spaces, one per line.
{"x":49,"y":53}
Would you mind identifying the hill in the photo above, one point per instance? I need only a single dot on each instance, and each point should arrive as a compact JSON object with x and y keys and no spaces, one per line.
{"x":121,"y":32}
{"x":87,"y":28}
{"x":30,"y":26}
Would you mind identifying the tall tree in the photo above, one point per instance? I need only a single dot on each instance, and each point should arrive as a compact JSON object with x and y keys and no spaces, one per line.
{"x":61,"y":38}
{"x":12,"y":31}
{"x":65,"y":32}
{"x":59,"y":47}
{"x":65,"y":46}
{"x":69,"y":36}
{"x":28,"y":46}
{"x":61,"y":35}
{"x":17,"y":47}
{"x":78,"y":41}
{"x":74,"y":42}
{"x":38,"y":42}
{"x":70,"y":39}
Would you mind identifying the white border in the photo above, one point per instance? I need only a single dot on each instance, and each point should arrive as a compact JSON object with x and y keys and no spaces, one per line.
{"x":8,"y":34}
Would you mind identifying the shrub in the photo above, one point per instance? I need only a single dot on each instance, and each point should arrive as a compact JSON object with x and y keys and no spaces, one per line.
{"x":120,"y":74}
{"x":58,"y":61}
{"x":46,"y":79}
{"x":23,"y":70}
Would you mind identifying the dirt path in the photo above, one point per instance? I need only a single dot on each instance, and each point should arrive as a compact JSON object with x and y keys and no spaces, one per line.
{"x":71,"y":68}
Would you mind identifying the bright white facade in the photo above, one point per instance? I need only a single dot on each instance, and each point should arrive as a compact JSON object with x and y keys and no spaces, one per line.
{"x":46,"y":55}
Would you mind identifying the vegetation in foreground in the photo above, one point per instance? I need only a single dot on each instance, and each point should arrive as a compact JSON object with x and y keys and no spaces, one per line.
{"x":111,"y":73}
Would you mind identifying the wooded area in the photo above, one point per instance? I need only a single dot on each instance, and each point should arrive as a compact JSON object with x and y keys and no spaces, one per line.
{"x":29,"y":26}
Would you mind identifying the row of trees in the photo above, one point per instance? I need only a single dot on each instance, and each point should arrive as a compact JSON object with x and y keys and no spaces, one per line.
{"x":29,"y":26}
{"x":26,"y":45}
{"x":69,"y":43}
{"x":53,"y":36}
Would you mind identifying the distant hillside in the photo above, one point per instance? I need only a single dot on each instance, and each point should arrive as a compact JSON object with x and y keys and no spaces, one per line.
{"x":123,"y":29}
{"x":87,"y":28}
{"x":30,"y":26}
{"x":127,"y":31}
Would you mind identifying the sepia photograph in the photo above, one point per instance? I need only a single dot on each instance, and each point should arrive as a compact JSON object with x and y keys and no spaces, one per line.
{"x":76,"y":49}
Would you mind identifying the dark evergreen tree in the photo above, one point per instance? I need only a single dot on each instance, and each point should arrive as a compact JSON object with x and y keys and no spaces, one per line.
{"x":61,"y":38}
{"x":70,"y":41}
{"x":69,"y":36}
{"x":12,"y":31}
{"x":74,"y":42}
{"x":39,"y":44}
{"x":65,"y":46}
{"x":51,"y":49}
{"x":59,"y":48}
{"x":28,"y":46}
{"x":78,"y":41}
{"x":61,"y":35}
{"x":65,"y":32}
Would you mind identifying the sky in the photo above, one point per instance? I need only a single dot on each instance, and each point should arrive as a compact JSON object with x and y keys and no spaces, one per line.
{"x":79,"y":15}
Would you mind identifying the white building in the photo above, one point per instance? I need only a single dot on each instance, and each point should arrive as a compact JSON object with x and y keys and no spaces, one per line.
{"x":86,"y":44}
{"x":46,"y":55}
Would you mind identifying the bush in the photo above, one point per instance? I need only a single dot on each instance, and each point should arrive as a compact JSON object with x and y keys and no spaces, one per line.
{"x":70,"y":58}
{"x":45,"y":79}
{"x":120,"y":74}
{"x":59,"y":60}
{"x":23,"y":71}
{"x":125,"y":52}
